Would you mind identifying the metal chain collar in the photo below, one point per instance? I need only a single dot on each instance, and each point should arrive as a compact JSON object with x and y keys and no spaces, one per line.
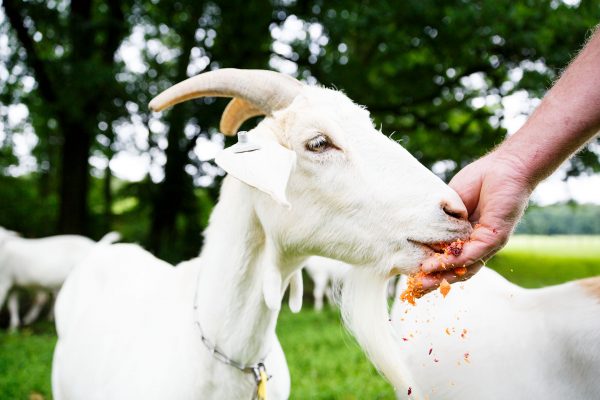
{"x":255,"y":369}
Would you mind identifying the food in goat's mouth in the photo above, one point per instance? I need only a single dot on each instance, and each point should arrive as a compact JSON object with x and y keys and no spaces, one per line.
{"x":454,"y":248}
{"x":460,"y":271}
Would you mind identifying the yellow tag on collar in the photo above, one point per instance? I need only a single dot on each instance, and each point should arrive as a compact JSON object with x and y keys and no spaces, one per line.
{"x":261,"y":389}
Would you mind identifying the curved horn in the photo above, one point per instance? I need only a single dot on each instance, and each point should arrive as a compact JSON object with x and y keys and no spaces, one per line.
{"x":235,"y":114}
{"x":266,"y":91}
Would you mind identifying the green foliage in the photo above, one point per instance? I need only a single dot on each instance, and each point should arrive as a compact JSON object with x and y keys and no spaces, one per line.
{"x":409,"y":62}
{"x":561,"y":219}
{"x":24,"y":209}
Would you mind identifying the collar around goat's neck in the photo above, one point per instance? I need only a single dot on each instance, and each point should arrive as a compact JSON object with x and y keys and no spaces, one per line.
{"x":257,"y":369}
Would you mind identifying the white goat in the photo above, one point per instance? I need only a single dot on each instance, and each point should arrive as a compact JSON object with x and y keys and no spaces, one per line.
{"x":326,"y":274}
{"x":41,"y":264}
{"x":323,"y":181}
{"x":491,"y":339}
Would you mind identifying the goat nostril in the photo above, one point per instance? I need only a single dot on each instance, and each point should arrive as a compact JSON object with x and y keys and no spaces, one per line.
{"x":458,"y":213}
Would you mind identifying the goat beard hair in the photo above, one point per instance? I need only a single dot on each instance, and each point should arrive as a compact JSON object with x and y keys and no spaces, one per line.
{"x":363,"y":301}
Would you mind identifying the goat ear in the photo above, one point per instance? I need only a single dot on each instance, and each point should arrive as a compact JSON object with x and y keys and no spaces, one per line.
{"x":296,"y":292}
{"x":267,"y":168}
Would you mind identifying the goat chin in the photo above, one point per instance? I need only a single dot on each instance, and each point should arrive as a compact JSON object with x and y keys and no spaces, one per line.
{"x":363,"y":302}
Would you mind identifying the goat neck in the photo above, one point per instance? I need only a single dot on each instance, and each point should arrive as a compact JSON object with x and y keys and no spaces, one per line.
{"x":236,"y":261}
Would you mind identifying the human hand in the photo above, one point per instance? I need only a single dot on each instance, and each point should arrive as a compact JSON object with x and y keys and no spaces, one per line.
{"x":495,"y":190}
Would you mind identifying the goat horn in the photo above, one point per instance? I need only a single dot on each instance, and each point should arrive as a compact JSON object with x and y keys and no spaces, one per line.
{"x":237,"y":111}
{"x":260,"y":92}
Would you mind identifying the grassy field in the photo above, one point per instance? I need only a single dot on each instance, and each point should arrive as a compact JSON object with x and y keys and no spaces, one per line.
{"x":324,"y":361}
{"x":536,"y":261}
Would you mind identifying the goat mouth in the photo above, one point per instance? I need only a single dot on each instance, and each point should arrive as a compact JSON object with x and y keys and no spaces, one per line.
{"x":434,"y":247}
{"x":452,"y":248}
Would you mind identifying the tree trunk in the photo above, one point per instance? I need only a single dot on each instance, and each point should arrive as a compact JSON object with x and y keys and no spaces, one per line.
{"x":74,"y":180}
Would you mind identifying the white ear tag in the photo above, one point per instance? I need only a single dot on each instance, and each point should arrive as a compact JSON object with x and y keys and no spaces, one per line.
{"x":262,"y":164}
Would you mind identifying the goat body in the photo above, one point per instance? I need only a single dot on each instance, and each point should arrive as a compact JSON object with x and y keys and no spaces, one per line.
{"x":326,"y":274}
{"x":41,"y":264}
{"x":125,"y":320}
{"x":491,"y":339}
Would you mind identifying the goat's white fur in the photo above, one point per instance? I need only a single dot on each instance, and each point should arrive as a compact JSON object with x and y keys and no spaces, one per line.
{"x":125,"y":319}
{"x":41,"y":264}
{"x":521,"y":343}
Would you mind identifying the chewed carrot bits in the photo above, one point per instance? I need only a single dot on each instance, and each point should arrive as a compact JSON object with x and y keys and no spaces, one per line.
{"x":463,"y":334}
{"x":414,"y":290}
{"x":460,"y":271}
{"x":454,"y":248}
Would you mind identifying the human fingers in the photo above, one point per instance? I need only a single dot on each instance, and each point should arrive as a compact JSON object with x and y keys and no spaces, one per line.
{"x":432,"y":281}
{"x":482,"y":244}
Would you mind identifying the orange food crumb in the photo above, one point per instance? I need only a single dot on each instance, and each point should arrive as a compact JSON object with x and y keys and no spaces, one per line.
{"x":463,"y":334}
{"x":444,"y":288}
{"x":448,"y":332}
{"x":460,"y":271}
{"x":414,"y":289}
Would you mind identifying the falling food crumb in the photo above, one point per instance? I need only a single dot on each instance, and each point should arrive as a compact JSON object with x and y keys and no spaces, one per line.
{"x":414,"y":290}
{"x":430,"y":350}
{"x":409,"y":390}
{"x":444,"y":288}
{"x":436,"y":360}
{"x":467,"y":358}
{"x":405,"y":339}
{"x":448,"y":331}
{"x":463,"y":334}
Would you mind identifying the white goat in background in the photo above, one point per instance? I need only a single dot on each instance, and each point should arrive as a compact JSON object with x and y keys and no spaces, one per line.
{"x":323,"y":181}
{"x":491,"y":339}
{"x":326,"y":274}
{"x":40,"y":264}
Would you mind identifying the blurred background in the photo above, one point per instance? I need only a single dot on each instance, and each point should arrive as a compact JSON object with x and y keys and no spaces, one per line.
{"x":81,"y":153}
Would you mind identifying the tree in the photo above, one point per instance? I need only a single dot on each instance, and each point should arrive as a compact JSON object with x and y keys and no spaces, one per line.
{"x":434,"y":72}
{"x":69,"y":50}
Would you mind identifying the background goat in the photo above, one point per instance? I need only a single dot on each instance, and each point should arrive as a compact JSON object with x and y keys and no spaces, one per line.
{"x":323,"y":181}
{"x":327,"y":276}
{"x":491,"y":339}
{"x":40,"y":264}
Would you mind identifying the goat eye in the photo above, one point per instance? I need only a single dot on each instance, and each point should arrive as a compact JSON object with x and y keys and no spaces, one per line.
{"x":318,"y":144}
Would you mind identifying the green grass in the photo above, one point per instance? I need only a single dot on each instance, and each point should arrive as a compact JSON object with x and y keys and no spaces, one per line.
{"x":324,"y":361}
{"x":536,"y":261}
{"x":25,"y":360}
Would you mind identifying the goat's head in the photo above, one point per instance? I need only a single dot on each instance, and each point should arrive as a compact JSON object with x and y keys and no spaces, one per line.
{"x":328,"y":183}
{"x":355,"y":195}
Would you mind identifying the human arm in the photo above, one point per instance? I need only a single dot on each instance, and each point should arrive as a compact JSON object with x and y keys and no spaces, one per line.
{"x":496,"y":188}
